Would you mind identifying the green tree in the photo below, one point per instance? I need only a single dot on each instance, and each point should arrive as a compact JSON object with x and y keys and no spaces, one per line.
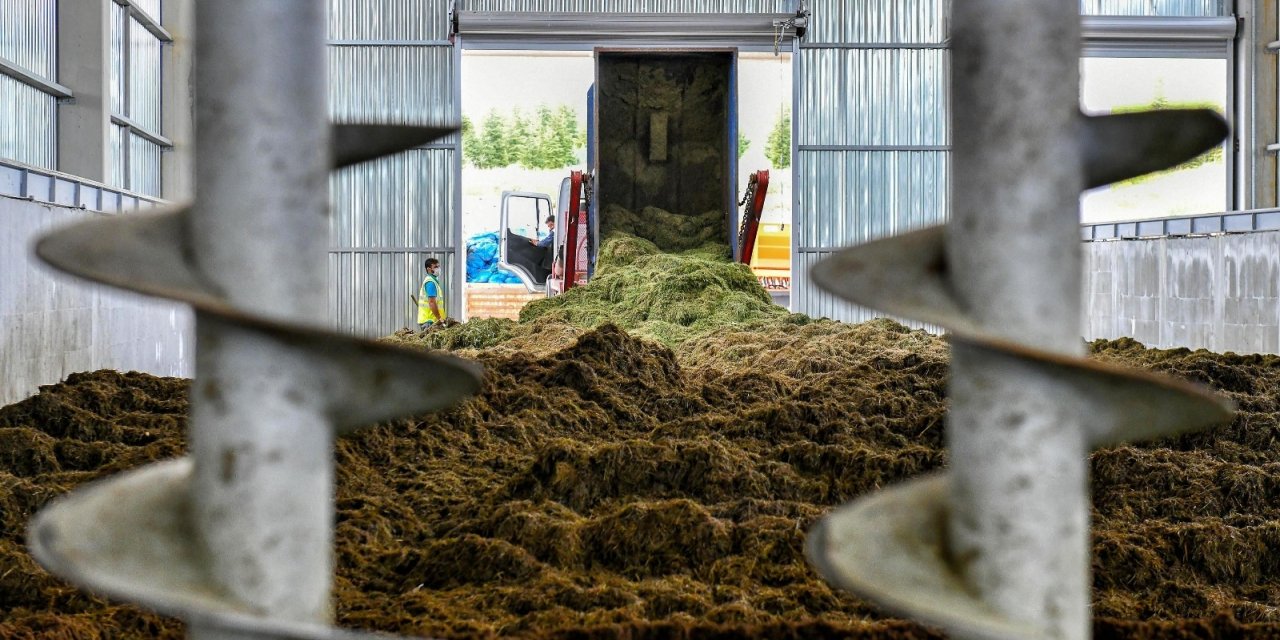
{"x":493,"y":149}
{"x":778,"y":147}
{"x":469,"y":142}
{"x":541,"y":149}
{"x":743,"y":145}
{"x":567,"y":136}
{"x":520,"y":141}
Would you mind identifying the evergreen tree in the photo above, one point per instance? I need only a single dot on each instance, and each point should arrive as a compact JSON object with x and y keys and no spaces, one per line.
{"x":469,"y":142}
{"x":493,"y":149}
{"x":520,"y":141}
{"x":539,"y":155}
{"x":566,"y":137}
{"x":743,"y":145}
{"x":778,"y":147}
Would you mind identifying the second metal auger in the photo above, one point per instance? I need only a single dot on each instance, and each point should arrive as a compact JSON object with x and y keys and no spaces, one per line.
{"x":237,"y":539}
{"x":998,"y":546}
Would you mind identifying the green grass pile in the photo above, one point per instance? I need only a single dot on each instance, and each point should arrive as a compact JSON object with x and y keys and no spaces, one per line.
{"x":670,"y":298}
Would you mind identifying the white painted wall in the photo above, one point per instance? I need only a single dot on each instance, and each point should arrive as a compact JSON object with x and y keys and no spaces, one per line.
{"x":52,"y":324}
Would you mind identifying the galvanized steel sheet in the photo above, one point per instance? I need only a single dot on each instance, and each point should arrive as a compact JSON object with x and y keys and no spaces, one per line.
{"x":144,"y":77}
{"x":873,"y":97}
{"x":144,"y":165}
{"x":404,"y":200}
{"x":119,"y":30}
{"x":388,"y":19}
{"x":116,"y":166}
{"x":851,"y":197}
{"x":391,"y":84}
{"x":1201,"y":8}
{"x":28,"y":124}
{"x":28,"y":35}
{"x":369,"y":292}
{"x":635,"y":6}
{"x":877,"y":21}
{"x":873,"y":76}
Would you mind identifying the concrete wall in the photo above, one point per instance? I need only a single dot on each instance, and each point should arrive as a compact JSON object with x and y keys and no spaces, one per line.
{"x":1220,"y":293}
{"x":52,"y":324}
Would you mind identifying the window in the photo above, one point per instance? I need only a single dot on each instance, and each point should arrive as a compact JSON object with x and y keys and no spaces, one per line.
{"x":1165,"y":54}
{"x":28,"y":92}
{"x":1121,"y":85}
{"x":137,"y":139}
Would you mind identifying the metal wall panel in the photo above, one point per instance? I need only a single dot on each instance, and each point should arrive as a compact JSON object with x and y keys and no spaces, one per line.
{"x":144,"y":77}
{"x":851,"y":197}
{"x":118,"y":161}
{"x":119,"y":55}
{"x":369,"y":291}
{"x":635,"y":6}
{"x":28,"y":124}
{"x":389,"y":20}
{"x":825,"y":305}
{"x":28,"y":35}
{"x":877,"y":21}
{"x":1203,"y":8}
{"x":144,"y":166}
{"x":391,"y":84}
{"x":405,"y":200}
{"x":391,"y":214}
{"x":873,"y":97}
{"x":871,"y":133}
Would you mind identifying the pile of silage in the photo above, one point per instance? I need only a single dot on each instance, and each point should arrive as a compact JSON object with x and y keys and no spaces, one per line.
{"x":665,"y":297}
{"x":617,"y":489}
{"x":670,"y":232}
{"x":602,"y":485}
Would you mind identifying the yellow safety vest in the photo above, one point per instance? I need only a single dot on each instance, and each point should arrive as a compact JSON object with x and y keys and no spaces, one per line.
{"x":424,"y":308}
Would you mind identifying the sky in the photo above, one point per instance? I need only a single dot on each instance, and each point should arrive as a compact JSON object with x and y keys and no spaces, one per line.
{"x":502,"y":80}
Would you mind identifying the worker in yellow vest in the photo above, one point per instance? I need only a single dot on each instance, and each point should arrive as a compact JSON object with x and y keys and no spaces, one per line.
{"x":431,"y":306}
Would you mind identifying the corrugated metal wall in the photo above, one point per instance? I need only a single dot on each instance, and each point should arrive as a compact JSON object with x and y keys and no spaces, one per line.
{"x":391,"y":62}
{"x":634,"y":6}
{"x":136,"y":93}
{"x":871,"y":138}
{"x":27,"y":35}
{"x":1203,"y":8}
{"x":28,"y":38}
{"x":144,"y":77}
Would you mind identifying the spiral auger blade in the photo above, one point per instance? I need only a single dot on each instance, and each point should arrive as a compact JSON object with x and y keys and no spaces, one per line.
{"x":131,"y":537}
{"x":996,"y":547}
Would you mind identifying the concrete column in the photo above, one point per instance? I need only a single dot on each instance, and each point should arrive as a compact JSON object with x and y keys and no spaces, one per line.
{"x":84,"y":66}
{"x":179,"y":100}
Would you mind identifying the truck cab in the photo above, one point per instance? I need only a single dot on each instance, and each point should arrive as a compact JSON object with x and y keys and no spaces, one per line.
{"x":569,"y":258}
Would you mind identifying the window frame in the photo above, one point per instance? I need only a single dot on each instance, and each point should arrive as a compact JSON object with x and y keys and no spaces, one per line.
{"x":1176,"y":37}
{"x":123,"y":175}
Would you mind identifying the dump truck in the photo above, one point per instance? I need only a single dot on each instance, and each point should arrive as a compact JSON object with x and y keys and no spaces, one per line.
{"x":661,"y":164}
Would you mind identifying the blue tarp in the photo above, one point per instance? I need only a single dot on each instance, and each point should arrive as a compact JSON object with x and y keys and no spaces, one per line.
{"x":482,"y":260}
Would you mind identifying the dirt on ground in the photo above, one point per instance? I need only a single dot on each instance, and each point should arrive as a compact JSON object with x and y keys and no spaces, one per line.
{"x":604,"y":485}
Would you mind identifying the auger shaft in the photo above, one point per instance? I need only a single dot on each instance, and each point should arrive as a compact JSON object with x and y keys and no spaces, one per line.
{"x":1019,"y":525}
{"x":263,"y":478}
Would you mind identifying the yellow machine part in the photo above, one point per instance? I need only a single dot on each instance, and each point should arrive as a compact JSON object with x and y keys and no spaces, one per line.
{"x":771,"y":260}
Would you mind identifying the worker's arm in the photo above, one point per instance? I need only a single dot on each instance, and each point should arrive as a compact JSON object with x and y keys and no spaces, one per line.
{"x":435,"y":309}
